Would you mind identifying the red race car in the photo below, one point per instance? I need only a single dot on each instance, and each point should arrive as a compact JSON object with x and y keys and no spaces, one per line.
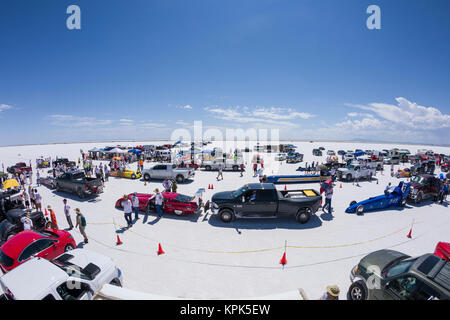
{"x":47,"y":243}
{"x":173,"y":203}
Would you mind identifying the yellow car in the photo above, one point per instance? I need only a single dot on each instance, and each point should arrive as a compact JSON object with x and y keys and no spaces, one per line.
{"x":125,"y":174}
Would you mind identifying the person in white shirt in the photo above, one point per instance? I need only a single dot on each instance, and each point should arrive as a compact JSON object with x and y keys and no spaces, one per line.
{"x":135,"y":200}
{"x":67,"y":213}
{"x":167,"y":184}
{"x":27,"y":222}
{"x":159,"y":199}
{"x":37,"y":200}
{"x":127,"y":209}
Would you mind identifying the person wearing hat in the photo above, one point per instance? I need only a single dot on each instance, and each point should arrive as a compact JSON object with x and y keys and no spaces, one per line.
{"x":81,"y":222}
{"x":331,"y":294}
{"x":159,"y":199}
{"x":127,"y":209}
{"x":27,"y":222}
{"x":135,"y":200}
{"x":52,"y":217}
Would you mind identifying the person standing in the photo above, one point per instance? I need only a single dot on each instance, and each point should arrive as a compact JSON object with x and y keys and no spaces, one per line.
{"x":26,"y":200}
{"x":67,"y":214}
{"x":127,"y":210}
{"x":220,"y":174}
{"x":52,"y":217}
{"x":27,"y":222}
{"x":167,"y":184}
{"x":255,"y":168}
{"x":174,"y":185}
{"x":106,"y":172}
{"x":242,"y":166}
{"x":37,"y":200}
{"x":135,"y":201}
{"x":81,"y":223}
{"x":38,"y":178}
{"x":328,"y":197}
{"x":159,"y":199}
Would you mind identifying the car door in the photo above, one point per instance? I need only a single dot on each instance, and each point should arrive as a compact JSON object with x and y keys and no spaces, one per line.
{"x":48,"y":249}
{"x":402,"y":287}
{"x":159,"y":171}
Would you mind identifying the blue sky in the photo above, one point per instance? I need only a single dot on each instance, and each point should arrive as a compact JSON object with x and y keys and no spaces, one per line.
{"x":139,"y":69}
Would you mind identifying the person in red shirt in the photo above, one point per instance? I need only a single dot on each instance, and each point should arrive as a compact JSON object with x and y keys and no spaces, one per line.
{"x":52,"y":217}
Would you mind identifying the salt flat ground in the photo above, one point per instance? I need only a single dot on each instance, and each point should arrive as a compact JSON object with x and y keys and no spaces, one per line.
{"x":208,"y":259}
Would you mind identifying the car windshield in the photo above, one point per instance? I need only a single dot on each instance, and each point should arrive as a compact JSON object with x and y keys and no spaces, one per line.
{"x":419,"y":180}
{"x":5,"y":260}
{"x":71,"y":269}
{"x":401,"y":267}
{"x":239,"y":192}
{"x":183,"y":198}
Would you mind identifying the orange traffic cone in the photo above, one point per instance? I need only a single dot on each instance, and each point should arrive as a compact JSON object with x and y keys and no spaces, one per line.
{"x":409,"y":234}
{"x":118,"y":241}
{"x":285,"y":188}
{"x":212,"y":186}
{"x":145,"y":183}
{"x":341,"y":186}
{"x":283,"y":260}
{"x":209,"y":186}
{"x":160,"y":250}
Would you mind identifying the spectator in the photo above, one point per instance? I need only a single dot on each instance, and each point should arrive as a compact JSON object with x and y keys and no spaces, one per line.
{"x":135,"y":200}
{"x":27,"y":222}
{"x":159,"y":199}
{"x":167,"y":184}
{"x":67,"y":214}
{"x":127,"y":209}
{"x":52,"y":217}
{"x":242,"y":167}
{"x":37,"y":200}
{"x":174,"y":185}
{"x":81,"y":223}
{"x":331,"y":294}
{"x":220,"y":169}
{"x":328,"y":197}
{"x":255,"y":168}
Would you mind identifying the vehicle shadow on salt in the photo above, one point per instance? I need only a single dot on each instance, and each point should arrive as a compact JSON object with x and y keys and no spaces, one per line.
{"x":265,"y":224}
{"x":153,"y":218}
{"x":70,"y":196}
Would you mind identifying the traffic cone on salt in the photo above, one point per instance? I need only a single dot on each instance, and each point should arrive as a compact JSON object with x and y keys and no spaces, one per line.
{"x":341,"y":186}
{"x":285,"y":188}
{"x":145,"y":183}
{"x":46,"y":213}
{"x":283,"y":260}
{"x":212,"y":186}
{"x":118,"y":241}
{"x":409,"y":234}
{"x":209,"y":186}
{"x":160,"y":250}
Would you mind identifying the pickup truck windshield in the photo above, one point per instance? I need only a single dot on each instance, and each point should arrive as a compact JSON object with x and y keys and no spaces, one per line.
{"x":419,"y":180}
{"x":400,"y":268}
{"x":239,"y":192}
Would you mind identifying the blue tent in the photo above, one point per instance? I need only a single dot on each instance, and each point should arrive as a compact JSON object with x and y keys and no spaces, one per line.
{"x":135,"y":151}
{"x":359,"y":154}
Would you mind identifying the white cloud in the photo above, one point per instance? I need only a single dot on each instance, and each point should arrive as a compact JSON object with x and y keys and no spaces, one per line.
{"x":186,"y":107}
{"x":4,"y":107}
{"x":182,"y":123}
{"x":75,"y":121}
{"x":280,"y":113}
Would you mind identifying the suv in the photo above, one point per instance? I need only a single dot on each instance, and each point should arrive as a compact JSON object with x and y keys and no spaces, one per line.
{"x":317,"y":152}
{"x":424,"y":186}
{"x":392,"y":275}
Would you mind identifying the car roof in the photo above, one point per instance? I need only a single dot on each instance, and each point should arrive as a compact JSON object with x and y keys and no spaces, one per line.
{"x":33,"y":278}
{"x":16,"y":244}
{"x":261,"y":186}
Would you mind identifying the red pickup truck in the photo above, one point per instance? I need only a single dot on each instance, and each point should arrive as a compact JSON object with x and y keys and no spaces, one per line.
{"x":19,"y":168}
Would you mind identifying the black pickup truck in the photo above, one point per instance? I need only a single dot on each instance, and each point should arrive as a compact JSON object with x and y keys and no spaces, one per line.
{"x":263,"y":200}
{"x":77,"y":182}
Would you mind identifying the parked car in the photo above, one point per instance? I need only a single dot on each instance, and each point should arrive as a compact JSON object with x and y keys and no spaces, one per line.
{"x":127,"y":173}
{"x":10,"y":199}
{"x":19,"y":168}
{"x":267,"y":203}
{"x":280,"y":156}
{"x":392,"y":160}
{"x":65,"y":161}
{"x":175,"y":203}
{"x":12,"y":224}
{"x":75,"y":275}
{"x":427,"y":166}
{"x":424,"y":187}
{"x":445,"y":167}
{"x":341,"y":152}
{"x":294,"y":157}
{"x":354,"y":171}
{"x":47,"y":243}
{"x":227,"y":164}
{"x":168,"y":170}
{"x":396,"y":198}
{"x":76,"y":182}
{"x":317,"y":152}
{"x":392,"y":275}
{"x":330,"y":153}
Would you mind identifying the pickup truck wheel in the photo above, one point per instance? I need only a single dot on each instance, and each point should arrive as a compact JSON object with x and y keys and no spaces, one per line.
{"x":180,"y":178}
{"x":348,"y":177}
{"x":360,"y":210}
{"x":419,"y":197}
{"x":146,"y":177}
{"x":80,"y":192}
{"x":357,"y":291}
{"x":235,"y":168}
{"x":303,"y":215}
{"x":58,"y":188}
{"x":226,"y":215}
{"x":68,"y":247}
{"x":208,"y":168}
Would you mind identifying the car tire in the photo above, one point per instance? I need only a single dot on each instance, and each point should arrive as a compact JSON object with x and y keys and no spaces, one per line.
{"x":133,"y":176}
{"x":357,"y":291}
{"x":360,"y":210}
{"x":116,"y":282}
{"x":352,"y":203}
{"x":68,"y":247}
{"x":180,"y":178}
{"x":226,"y":215}
{"x":58,"y":187}
{"x":235,"y":168}
{"x":348,"y":177}
{"x":419,"y":197}
{"x":303,"y":215}
{"x":146,"y":177}
{"x":208,"y":168}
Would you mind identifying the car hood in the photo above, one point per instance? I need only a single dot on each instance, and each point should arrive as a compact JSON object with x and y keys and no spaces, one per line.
{"x":221,"y":196}
{"x":416,"y":185}
{"x":382,"y":259}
